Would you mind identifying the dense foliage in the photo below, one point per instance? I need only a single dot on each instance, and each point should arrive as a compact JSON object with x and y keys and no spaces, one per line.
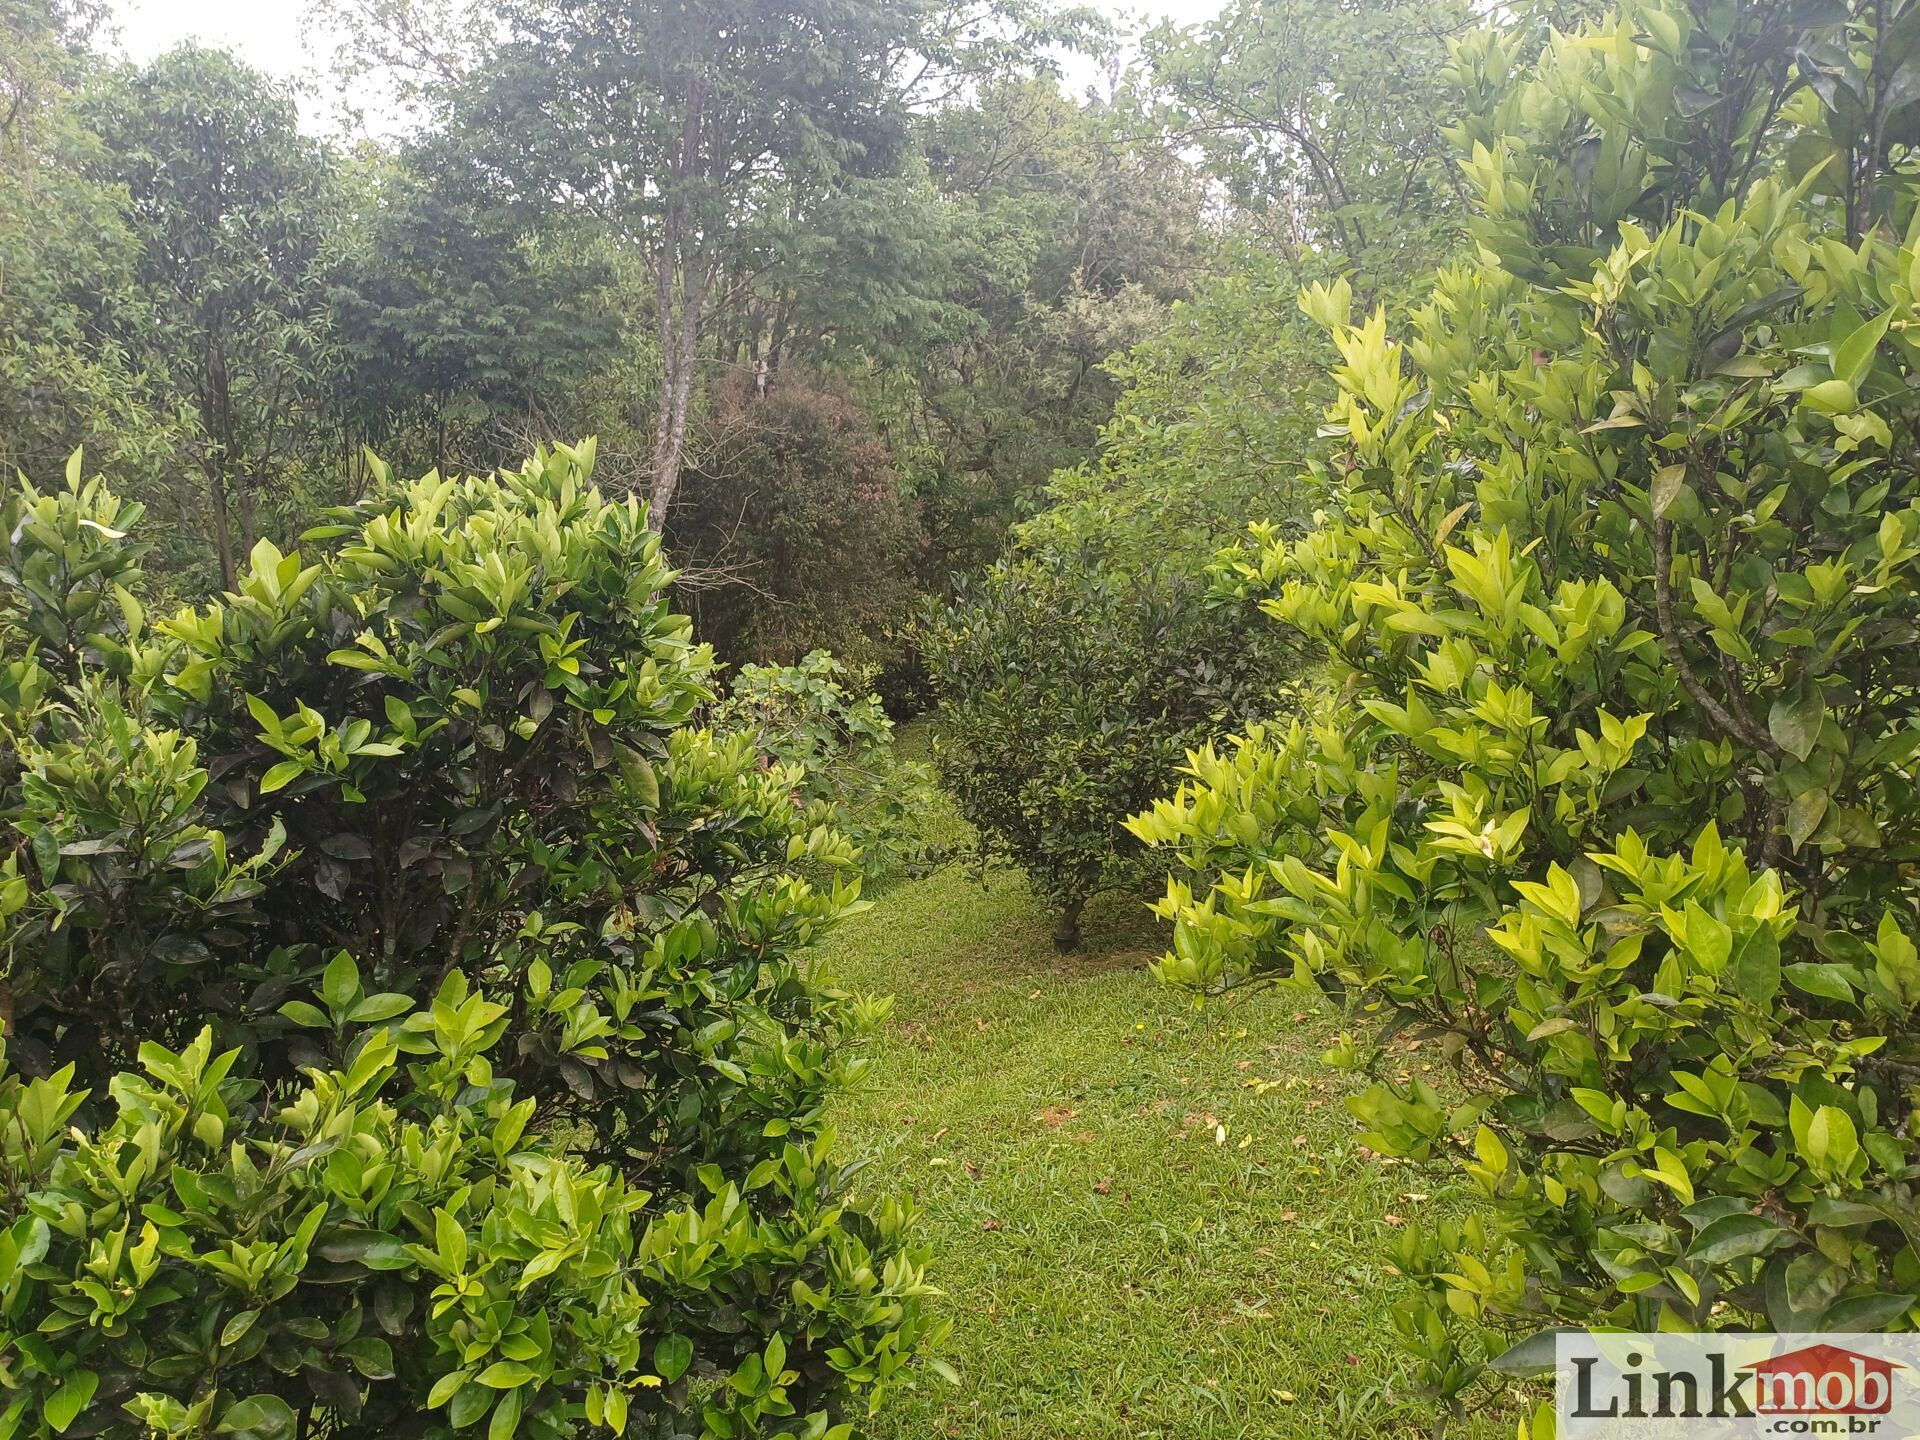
{"x":1065,"y":234}
{"x":794,"y":526}
{"x":812,"y":716}
{"x":1074,"y":676}
{"x":70,"y":311}
{"x":1209,"y":412}
{"x":890,"y":222}
{"x":409,"y":1026}
{"x":229,"y":210}
{"x":404,"y":918}
{"x":1068,"y":694}
{"x":1610,"y":795}
{"x":458,"y":334}
{"x":1324,"y":123}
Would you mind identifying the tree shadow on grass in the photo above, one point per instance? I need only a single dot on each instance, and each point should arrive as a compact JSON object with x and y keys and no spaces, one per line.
{"x":1117,"y":932}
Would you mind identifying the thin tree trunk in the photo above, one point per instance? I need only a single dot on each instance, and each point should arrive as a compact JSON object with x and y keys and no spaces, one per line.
{"x":679,"y":331}
{"x":682,"y":266}
{"x":248,"y":533}
{"x":1066,"y":928}
{"x":222,"y":530}
{"x":666,"y":452}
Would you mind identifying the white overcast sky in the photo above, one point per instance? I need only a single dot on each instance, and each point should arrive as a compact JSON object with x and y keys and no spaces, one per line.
{"x":271,"y":34}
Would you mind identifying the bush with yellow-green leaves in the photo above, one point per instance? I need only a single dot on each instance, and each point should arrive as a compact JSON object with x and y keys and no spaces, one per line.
{"x":1611,"y":792}
{"x":410,"y":1025}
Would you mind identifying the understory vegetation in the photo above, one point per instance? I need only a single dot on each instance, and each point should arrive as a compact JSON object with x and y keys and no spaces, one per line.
{"x":1191,"y":754}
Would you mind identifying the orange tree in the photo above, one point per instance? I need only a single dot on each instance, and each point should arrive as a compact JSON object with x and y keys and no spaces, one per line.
{"x":410,"y":1029}
{"x":1615,"y":578}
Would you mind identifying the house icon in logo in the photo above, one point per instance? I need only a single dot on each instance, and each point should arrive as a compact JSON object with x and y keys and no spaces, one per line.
{"x":1823,"y":1380}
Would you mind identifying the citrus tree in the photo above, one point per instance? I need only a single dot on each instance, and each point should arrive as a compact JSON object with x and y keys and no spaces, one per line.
{"x":408,"y":1022}
{"x":1068,"y":689}
{"x":1610,"y":794}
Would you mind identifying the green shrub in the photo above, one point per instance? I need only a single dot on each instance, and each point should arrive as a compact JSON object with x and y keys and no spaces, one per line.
{"x":1617,"y":575}
{"x":795,"y":528}
{"x":424,"y":994}
{"x":1210,"y":411}
{"x":1068,"y":693}
{"x":804,"y":716}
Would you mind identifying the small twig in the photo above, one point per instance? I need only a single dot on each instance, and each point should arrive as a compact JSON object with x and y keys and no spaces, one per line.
{"x":1728,"y":723}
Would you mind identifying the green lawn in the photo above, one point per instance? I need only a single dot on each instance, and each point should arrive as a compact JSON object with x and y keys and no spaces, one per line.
{"x":1150,"y":1221}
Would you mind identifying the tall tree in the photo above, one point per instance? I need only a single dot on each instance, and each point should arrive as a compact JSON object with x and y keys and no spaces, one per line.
{"x":1071,"y":227}
{"x":719,"y":141}
{"x":69,"y":304}
{"x":227,"y":203}
{"x":689,"y":132}
{"x":1325,"y":124}
{"x":462,"y":335}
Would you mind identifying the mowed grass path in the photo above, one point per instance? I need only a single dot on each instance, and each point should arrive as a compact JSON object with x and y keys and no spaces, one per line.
{"x":1149,"y":1221}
